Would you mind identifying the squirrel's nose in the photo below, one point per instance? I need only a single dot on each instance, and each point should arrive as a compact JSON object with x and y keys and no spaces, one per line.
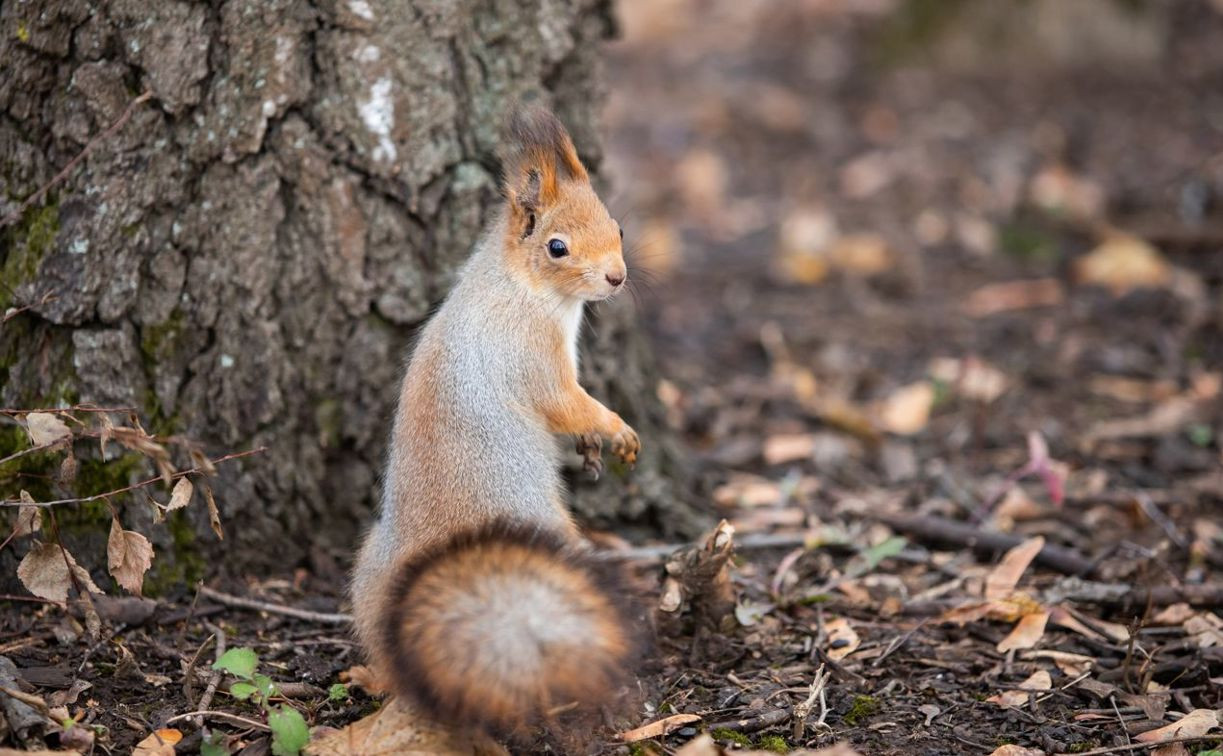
{"x":615,"y":279}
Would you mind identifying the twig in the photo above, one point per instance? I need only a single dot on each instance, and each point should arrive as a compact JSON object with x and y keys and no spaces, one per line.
{"x":803,"y":710}
{"x":942,"y":530}
{"x":189,"y":673}
{"x":37,"y":196}
{"x":74,"y":408}
{"x":263,"y":606}
{"x":1140,"y":746}
{"x":749,"y":541}
{"x":215,"y":680}
{"x":32,"y":449}
{"x":134,"y":486}
{"x":199,"y":715}
{"x":1127,"y":597}
{"x":753,"y":724}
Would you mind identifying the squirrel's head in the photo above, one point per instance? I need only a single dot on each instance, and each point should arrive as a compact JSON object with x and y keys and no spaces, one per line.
{"x":559,"y":233}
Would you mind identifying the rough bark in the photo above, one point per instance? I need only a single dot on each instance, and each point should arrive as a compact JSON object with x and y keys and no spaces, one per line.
{"x":246,"y":259}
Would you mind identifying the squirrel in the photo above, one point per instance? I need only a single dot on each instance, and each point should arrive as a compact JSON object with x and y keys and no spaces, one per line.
{"x":473,"y":593}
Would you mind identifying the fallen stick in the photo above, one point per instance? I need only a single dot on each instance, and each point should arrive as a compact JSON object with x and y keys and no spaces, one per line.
{"x":753,"y":724}
{"x":1128,"y":597}
{"x":263,"y":606}
{"x":984,"y":542}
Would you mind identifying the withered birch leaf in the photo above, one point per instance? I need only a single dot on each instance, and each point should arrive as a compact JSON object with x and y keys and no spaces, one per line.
{"x":45,"y":428}
{"x":181,"y":496}
{"x":128,"y":555}
{"x":29,"y":516}
{"x":44,"y":572}
{"x":214,"y":516}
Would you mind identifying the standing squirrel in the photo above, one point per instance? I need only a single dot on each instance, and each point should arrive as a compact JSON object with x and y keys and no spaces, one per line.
{"x":473,"y":594}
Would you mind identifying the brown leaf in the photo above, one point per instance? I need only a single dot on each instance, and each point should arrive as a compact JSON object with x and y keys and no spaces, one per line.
{"x":106,"y":431}
{"x":992,"y":299}
{"x":1195,"y":724}
{"x":137,"y":440}
{"x":398,"y":728}
{"x":1026,"y":634}
{"x":907,"y":410}
{"x":1002,"y":579}
{"x":842,"y":639}
{"x":45,"y":572}
{"x":788,"y":447}
{"x":214,"y":516}
{"x":657,"y":729}
{"x":1014,"y":750}
{"x":1040,"y":680}
{"x":181,"y":496}
{"x":1070,"y":664}
{"x":67,"y":469}
{"x":1123,"y":263}
{"x":29,"y":517}
{"x":45,"y":428}
{"x":160,"y":743}
{"x":128,"y":556}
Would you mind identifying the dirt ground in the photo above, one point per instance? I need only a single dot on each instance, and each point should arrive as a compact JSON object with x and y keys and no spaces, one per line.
{"x":905,"y":293}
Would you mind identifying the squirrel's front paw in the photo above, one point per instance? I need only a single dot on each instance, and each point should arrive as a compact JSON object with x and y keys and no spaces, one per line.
{"x":590,"y":446}
{"x":626,"y":445}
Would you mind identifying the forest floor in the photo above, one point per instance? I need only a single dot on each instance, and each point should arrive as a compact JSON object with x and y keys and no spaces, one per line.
{"x":906,"y":310}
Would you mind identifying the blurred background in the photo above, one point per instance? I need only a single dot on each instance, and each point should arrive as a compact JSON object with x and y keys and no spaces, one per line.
{"x":930,"y":228}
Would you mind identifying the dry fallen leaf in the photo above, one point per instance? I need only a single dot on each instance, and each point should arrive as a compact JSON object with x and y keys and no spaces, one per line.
{"x":45,"y":428}
{"x":29,"y":517}
{"x":657,"y":729}
{"x":160,"y":743}
{"x":971,"y":377}
{"x":861,"y":254}
{"x":1014,"y":750}
{"x":181,"y":495}
{"x":1173,"y":614}
{"x":44,"y":572}
{"x":842,"y":639}
{"x":1040,"y":680}
{"x":1206,"y":629}
{"x":1195,"y":724}
{"x":1123,"y":263}
{"x":789,"y":447}
{"x":804,"y":235}
{"x":128,"y":556}
{"x":907,"y":410}
{"x":1027,"y":633}
{"x":399,"y":729}
{"x":1002,"y":580}
{"x":1070,"y":664}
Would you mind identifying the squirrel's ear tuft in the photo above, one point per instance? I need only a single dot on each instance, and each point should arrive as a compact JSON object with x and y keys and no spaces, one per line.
{"x":538,"y":153}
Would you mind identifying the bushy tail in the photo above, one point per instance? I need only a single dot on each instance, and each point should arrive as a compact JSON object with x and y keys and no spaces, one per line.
{"x":501,"y":625}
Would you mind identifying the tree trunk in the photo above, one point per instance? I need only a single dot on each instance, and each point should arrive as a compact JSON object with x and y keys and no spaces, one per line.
{"x":244,"y":261}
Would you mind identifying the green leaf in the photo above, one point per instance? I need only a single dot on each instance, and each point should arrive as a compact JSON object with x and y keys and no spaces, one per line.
{"x":266,"y":687}
{"x":214,"y":745}
{"x":238,"y":661}
{"x":242,"y":690}
{"x":289,"y":731}
{"x":337,"y":692}
{"x":889,"y":548}
{"x":1200,"y":434}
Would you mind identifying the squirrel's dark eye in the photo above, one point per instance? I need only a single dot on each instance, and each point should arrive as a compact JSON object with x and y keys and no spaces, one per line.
{"x":557,"y":249}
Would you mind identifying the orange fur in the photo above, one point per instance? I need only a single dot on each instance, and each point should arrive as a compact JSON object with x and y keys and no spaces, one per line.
{"x":502,"y":624}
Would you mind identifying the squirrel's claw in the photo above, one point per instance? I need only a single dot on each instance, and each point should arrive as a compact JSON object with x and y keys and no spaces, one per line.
{"x":590,"y":446}
{"x":626,"y":445}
